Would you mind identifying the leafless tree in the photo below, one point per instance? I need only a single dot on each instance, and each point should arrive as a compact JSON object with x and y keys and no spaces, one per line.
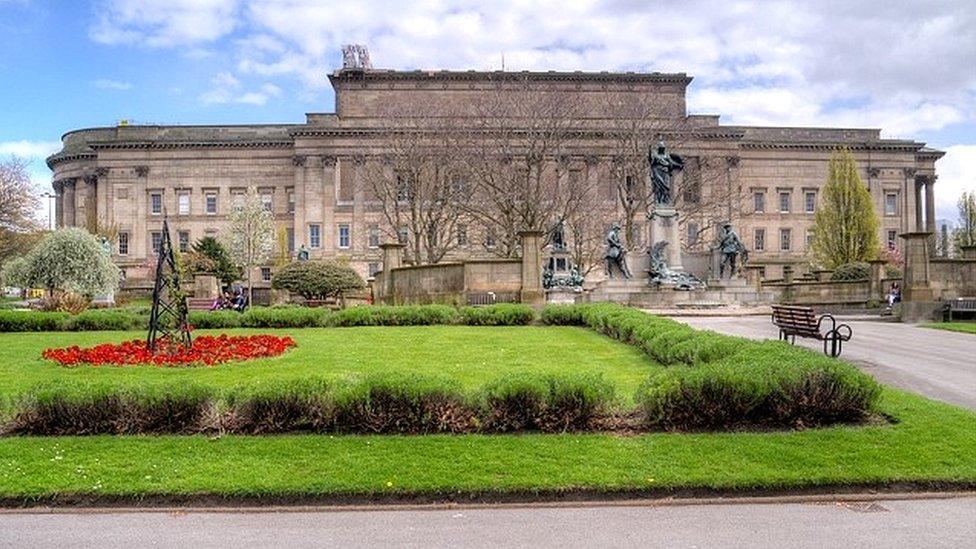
{"x":18,"y":204}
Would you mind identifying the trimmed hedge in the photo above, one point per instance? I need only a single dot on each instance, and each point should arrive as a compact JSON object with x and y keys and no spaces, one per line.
{"x":499,"y":314}
{"x":383,"y":315}
{"x":382,"y":403}
{"x":716,"y":381}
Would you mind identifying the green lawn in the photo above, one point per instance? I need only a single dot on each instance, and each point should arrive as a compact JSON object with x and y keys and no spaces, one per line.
{"x":472,"y":355}
{"x":927,"y":443}
{"x":964,"y":327}
{"x":932,"y":445}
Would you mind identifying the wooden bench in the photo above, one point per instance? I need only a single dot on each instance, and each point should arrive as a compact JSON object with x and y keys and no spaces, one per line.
{"x":795,"y":321}
{"x":959,"y":305}
{"x":199,"y":303}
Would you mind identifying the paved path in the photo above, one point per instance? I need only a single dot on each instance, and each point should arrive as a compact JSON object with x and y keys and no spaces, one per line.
{"x":915,"y":523}
{"x":936,"y":363}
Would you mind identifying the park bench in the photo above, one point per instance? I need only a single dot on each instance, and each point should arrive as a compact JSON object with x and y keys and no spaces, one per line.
{"x":199,"y":303}
{"x":795,"y":321}
{"x":959,"y":305}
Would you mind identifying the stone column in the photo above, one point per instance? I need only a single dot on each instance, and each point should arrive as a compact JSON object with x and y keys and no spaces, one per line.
{"x":918,"y":298}
{"x":876,"y":291}
{"x":69,"y":208}
{"x":907,"y":195}
{"x":298,"y":191}
{"x":58,"y":204}
{"x":919,"y":222}
{"x":662,"y":224}
{"x":392,"y":259}
{"x":532,"y":292}
{"x":929,"y":183}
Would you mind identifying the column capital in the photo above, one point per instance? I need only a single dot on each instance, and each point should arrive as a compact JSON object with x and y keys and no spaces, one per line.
{"x":909,"y":172}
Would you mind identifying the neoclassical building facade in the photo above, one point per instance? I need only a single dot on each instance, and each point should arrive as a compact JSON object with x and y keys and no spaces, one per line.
{"x":311,"y":175}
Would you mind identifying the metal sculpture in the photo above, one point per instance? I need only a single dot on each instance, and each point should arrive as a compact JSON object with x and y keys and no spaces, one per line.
{"x":168,"y":316}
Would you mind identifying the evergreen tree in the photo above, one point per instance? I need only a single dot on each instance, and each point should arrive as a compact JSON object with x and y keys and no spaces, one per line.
{"x":845,"y":226}
{"x":209,"y":256}
{"x":965,"y":233}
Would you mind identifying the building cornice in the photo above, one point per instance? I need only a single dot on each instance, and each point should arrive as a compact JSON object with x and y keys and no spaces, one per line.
{"x":828,"y":146}
{"x":359,"y":75}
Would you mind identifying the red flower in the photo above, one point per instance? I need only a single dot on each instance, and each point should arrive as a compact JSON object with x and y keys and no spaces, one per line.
{"x":207,"y":350}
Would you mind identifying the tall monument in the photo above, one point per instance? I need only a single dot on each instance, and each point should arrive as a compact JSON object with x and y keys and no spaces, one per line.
{"x":662,"y":217}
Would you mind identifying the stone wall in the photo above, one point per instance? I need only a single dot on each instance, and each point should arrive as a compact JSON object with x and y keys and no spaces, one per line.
{"x":953,"y":277}
{"x":449,"y":283}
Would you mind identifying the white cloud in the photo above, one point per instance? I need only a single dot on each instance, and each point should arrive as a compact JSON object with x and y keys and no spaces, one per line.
{"x":29,"y":150}
{"x":227,"y":88}
{"x":162,"y":24}
{"x":957,"y":173}
{"x":107,"y":84}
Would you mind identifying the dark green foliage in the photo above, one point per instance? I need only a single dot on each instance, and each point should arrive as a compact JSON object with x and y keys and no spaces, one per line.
{"x":500,"y":314}
{"x":317,"y":279}
{"x":396,"y":403}
{"x":281,"y":407}
{"x":31,"y":321}
{"x":105,"y":319}
{"x":851,"y":271}
{"x":562,"y":315}
{"x":717,"y":381}
{"x":284,"y":317}
{"x":206,"y":320}
{"x":381,"y":315}
{"x":209,"y":256}
{"x":544,"y":403}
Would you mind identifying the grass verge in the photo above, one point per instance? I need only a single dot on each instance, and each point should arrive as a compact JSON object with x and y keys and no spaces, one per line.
{"x":964,"y":327}
{"x":931,"y":445}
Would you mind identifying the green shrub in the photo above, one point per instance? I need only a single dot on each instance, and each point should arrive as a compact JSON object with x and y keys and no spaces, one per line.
{"x":317,"y":279}
{"x":31,"y":321}
{"x":381,"y":315}
{"x":499,"y":314}
{"x":207,"y":320}
{"x":851,"y":271}
{"x":105,"y":319}
{"x":282,"y":406}
{"x":283,"y":317}
{"x":562,"y":315}
{"x":397,"y":403}
{"x":544,"y":403}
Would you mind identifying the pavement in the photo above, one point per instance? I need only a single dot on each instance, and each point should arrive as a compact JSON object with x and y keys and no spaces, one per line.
{"x":866,"y":524}
{"x":936,"y":363}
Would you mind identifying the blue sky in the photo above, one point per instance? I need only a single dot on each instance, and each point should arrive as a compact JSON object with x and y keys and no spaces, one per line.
{"x":906,"y":67}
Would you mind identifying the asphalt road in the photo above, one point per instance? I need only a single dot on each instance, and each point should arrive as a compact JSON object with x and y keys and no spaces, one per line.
{"x":914,"y":523}
{"x":935,"y":363}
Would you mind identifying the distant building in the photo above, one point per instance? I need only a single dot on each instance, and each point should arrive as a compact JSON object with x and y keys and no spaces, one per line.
{"x":310,"y":175}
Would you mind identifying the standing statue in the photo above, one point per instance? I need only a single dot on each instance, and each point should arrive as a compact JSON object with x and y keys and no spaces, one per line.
{"x":616,"y":254}
{"x":663,"y":166}
{"x":302,"y":253}
{"x":731,"y":246}
{"x":558,"y":238}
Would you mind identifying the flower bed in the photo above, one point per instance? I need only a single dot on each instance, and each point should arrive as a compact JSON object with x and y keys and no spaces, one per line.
{"x":208,"y":350}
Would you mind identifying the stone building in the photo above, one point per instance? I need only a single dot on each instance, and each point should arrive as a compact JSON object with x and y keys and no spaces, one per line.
{"x":310,"y":175}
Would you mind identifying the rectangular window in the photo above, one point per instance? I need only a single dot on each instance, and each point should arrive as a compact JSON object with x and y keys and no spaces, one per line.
{"x":784,"y":202}
{"x":291,"y":200}
{"x":315,"y":236}
{"x":374,"y":236}
{"x":892,"y":238}
{"x":290,"y":238}
{"x":183,"y":203}
{"x":403,"y":235}
{"x":403,"y":190}
{"x":237,"y":198}
{"x":891,"y":204}
{"x":265,"y":274}
{"x":759,"y":202}
{"x":155,"y":241}
{"x":123,"y":243}
{"x":692,"y":233}
{"x":156,"y":203}
{"x":211,"y":200}
{"x":373,"y":268}
{"x":462,"y":235}
{"x":344,"y":236}
{"x":785,"y":239}
{"x":184,"y":238}
{"x":267,"y":201}
{"x":759,"y":240}
{"x":809,"y":202}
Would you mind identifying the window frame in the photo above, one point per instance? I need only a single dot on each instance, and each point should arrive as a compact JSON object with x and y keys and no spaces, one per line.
{"x":894,"y":203}
{"x":789,"y":201}
{"x":788,"y":233}
{"x":152,"y":203}
{"x":123,"y":243}
{"x":315,"y":237}
{"x":206,"y":203}
{"x":344,"y":241}
{"x":759,"y":199}
{"x":808,"y":206}
{"x":759,"y":239}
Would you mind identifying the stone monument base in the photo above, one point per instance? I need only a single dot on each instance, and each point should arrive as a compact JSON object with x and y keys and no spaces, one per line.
{"x":663,"y":226}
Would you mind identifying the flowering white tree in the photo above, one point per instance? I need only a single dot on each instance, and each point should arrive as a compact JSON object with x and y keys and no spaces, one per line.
{"x":70,"y":260}
{"x":251,"y":241}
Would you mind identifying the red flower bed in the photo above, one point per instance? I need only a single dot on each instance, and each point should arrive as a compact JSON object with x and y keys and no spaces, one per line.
{"x":207,"y":350}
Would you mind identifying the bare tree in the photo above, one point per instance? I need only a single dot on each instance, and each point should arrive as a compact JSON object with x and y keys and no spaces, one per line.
{"x":420,"y":183}
{"x":18,"y":204}
{"x":521,"y":165}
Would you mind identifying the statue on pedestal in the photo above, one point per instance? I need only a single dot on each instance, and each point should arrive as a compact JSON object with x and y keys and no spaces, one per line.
{"x":663,"y":166}
{"x":558,"y":239}
{"x":616,"y":254}
{"x":730,"y":245}
{"x":661,"y":273}
{"x":302,"y":253}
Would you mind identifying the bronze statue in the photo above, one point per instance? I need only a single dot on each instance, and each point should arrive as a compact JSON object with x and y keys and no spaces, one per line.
{"x":302,"y":253}
{"x":616,"y":254}
{"x":731,"y":247}
{"x":663,"y":166}
{"x":660,"y":272}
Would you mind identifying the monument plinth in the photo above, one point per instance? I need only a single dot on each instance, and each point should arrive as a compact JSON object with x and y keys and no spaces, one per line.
{"x":662,"y":226}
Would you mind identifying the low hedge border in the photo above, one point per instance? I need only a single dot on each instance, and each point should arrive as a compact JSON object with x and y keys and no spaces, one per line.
{"x":501,"y":314}
{"x":388,"y":403}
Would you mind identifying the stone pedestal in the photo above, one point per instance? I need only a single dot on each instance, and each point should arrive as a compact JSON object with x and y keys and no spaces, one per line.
{"x":876,"y":275}
{"x":917,"y":295}
{"x":392,"y":259}
{"x":206,"y":286}
{"x":663,"y":225}
{"x":532,"y":293}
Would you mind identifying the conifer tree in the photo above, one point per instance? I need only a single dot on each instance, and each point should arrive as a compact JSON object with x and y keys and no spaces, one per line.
{"x":845,"y":226}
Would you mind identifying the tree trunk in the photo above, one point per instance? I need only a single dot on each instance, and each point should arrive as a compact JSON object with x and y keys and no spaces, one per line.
{"x":250,"y":288}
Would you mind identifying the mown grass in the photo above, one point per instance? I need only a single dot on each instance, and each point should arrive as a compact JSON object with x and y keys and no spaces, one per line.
{"x":931,"y":443}
{"x":470,"y":355}
{"x":964,"y":327}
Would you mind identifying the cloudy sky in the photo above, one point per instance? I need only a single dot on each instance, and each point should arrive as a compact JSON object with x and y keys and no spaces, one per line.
{"x":908,"y":68}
